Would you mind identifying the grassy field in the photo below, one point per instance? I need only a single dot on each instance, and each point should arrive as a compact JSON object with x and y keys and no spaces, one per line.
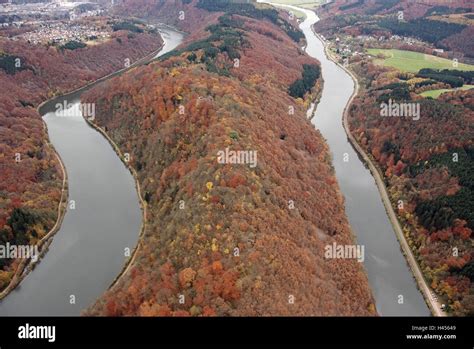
{"x":300,"y":3}
{"x":436,"y":93}
{"x":413,"y":61}
{"x":460,"y":18}
{"x":298,"y":14}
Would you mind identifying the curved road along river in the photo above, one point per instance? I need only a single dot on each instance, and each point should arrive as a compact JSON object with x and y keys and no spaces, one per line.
{"x":87,"y":252}
{"x":389,"y":276}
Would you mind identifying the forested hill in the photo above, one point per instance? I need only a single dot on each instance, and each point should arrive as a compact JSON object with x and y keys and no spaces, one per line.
{"x":448,"y":25}
{"x":31,"y":177}
{"x":427,"y":161}
{"x":226,"y":235}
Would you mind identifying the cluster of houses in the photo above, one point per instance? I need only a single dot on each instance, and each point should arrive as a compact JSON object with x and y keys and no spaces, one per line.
{"x":17,"y":15}
{"x":53,"y":22}
{"x":60,"y":32}
{"x":352,"y":46}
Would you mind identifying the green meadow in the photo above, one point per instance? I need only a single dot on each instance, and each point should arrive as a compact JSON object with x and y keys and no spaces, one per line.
{"x":300,"y":3}
{"x":436,"y":93}
{"x":414,"y":61}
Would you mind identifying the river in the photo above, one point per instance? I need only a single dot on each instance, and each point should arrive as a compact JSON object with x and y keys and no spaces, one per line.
{"x":387,"y":269}
{"x":88,"y":251}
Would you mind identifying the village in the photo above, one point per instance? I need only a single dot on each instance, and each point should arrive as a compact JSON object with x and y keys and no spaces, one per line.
{"x":60,"y":32}
{"x":347,"y":47}
{"x":53,"y":23}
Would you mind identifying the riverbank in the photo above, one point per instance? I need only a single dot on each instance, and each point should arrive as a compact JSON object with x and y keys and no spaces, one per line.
{"x":143,"y":204}
{"x":83,"y":88}
{"x":432,"y":303}
{"x":27,"y":265}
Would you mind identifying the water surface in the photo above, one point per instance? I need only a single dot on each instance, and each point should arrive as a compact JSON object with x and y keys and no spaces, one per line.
{"x":386,"y":266}
{"x":87,"y":252}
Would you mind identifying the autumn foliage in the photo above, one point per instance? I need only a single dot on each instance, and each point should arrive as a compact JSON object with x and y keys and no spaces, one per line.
{"x":433,"y":21}
{"x":31,"y":178}
{"x":221,"y":238}
{"x":427,"y":163}
{"x":428,"y":166}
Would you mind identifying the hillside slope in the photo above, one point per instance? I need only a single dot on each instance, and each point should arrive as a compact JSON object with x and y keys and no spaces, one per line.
{"x":447,"y":25}
{"x":426,"y":159}
{"x":221,"y":237}
{"x":31,"y":178}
